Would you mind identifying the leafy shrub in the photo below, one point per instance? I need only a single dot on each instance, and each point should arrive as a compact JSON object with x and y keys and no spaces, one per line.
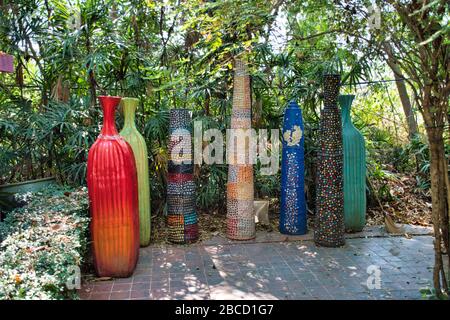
{"x":42,"y":242}
{"x":60,"y":133}
{"x":211,"y":187}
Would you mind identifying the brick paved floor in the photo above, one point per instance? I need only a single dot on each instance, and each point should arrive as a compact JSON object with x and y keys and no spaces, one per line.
{"x":282,"y":270}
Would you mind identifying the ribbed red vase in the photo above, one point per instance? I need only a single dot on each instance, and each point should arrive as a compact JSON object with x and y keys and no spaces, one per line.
{"x":112,"y":186}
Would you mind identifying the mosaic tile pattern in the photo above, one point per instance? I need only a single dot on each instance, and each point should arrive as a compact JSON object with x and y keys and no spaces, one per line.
{"x":240,"y":190}
{"x":329,"y":219}
{"x":183,"y":168}
{"x":181,"y":216}
{"x":293,"y":204}
{"x":241,"y":118}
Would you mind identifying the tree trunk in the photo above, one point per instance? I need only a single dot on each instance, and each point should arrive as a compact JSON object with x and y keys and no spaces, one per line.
{"x":439,"y":199}
{"x":406,"y":103}
{"x":402,"y":92}
{"x":91,"y":76}
{"x":447,"y":184}
{"x":207,"y":102}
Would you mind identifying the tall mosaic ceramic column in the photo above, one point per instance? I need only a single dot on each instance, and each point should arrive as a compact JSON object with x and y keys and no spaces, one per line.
{"x":112,"y":186}
{"x":240,"y":193}
{"x":329,"y":220}
{"x":293,"y":205}
{"x":181,"y":215}
{"x":137,"y":143}
{"x":354,"y":169}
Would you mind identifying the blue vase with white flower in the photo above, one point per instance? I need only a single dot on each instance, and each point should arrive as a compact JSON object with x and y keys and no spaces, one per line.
{"x":293,"y":203}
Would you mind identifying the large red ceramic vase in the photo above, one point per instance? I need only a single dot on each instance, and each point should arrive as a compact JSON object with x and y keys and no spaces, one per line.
{"x":112,"y":186}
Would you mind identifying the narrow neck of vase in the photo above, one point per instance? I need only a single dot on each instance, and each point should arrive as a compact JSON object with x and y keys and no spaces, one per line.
{"x":345,"y":101}
{"x":331,"y":84}
{"x":109,"y":105}
{"x":129,"y":111}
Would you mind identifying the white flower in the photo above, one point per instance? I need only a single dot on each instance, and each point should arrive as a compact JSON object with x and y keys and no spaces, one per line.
{"x":293,"y":137}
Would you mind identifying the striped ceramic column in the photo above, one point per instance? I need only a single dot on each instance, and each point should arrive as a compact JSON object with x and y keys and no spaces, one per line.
{"x":181,"y":215}
{"x":240,"y":194}
{"x":329,"y":222}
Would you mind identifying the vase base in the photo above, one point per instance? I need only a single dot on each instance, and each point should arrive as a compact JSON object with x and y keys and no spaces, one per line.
{"x":300,"y":233}
{"x":190,"y":241}
{"x":330,"y":245}
{"x":122,"y":274}
{"x":241,"y":238}
{"x":354,"y":230}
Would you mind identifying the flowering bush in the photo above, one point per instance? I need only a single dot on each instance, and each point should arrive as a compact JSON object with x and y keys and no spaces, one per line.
{"x":43,"y":243}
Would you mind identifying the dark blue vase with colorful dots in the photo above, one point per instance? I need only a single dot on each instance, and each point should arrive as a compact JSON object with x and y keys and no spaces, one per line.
{"x":329,"y":216}
{"x":293,"y":205}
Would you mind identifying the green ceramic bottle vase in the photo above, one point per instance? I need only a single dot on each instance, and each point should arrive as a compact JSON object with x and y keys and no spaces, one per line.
{"x":137,"y":143}
{"x":354,"y":169}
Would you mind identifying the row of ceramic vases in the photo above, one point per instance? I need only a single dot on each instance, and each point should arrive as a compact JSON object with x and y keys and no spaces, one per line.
{"x":342,"y":160}
{"x":340,"y":181}
{"x":119,"y":186}
{"x":119,"y":191}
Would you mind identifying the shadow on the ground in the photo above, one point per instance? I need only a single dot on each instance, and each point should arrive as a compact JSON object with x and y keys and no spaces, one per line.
{"x":283,"y":270}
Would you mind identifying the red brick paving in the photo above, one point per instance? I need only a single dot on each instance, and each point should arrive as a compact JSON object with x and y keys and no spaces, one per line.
{"x":277,"y":270}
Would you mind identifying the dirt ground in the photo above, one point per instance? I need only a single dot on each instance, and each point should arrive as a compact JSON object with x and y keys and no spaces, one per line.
{"x":404,"y":203}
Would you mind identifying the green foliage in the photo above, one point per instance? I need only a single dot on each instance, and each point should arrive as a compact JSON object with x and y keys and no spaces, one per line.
{"x":171,"y":54}
{"x":267,"y":185}
{"x":211,"y":188}
{"x":6,"y":204}
{"x":58,"y":134}
{"x":42,"y":243}
{"x":430,"y":294}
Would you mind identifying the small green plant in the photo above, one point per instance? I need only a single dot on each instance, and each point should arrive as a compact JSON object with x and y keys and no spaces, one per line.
{"x":211,"y":187}
{"x":430,"y":294}
{"x":267,"y":185}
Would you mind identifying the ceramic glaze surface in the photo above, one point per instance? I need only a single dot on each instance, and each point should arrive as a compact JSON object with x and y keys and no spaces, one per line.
{"x":112,"y":186}
{"x":293,"y":204}
{"x":354,"y":169}
{"x":137,"y":143}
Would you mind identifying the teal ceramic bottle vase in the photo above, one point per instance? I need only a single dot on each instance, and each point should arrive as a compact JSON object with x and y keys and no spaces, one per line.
{"x":354,"y":169}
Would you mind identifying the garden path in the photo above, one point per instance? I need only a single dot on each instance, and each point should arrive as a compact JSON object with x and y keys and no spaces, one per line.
{"x":277,"y":270}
